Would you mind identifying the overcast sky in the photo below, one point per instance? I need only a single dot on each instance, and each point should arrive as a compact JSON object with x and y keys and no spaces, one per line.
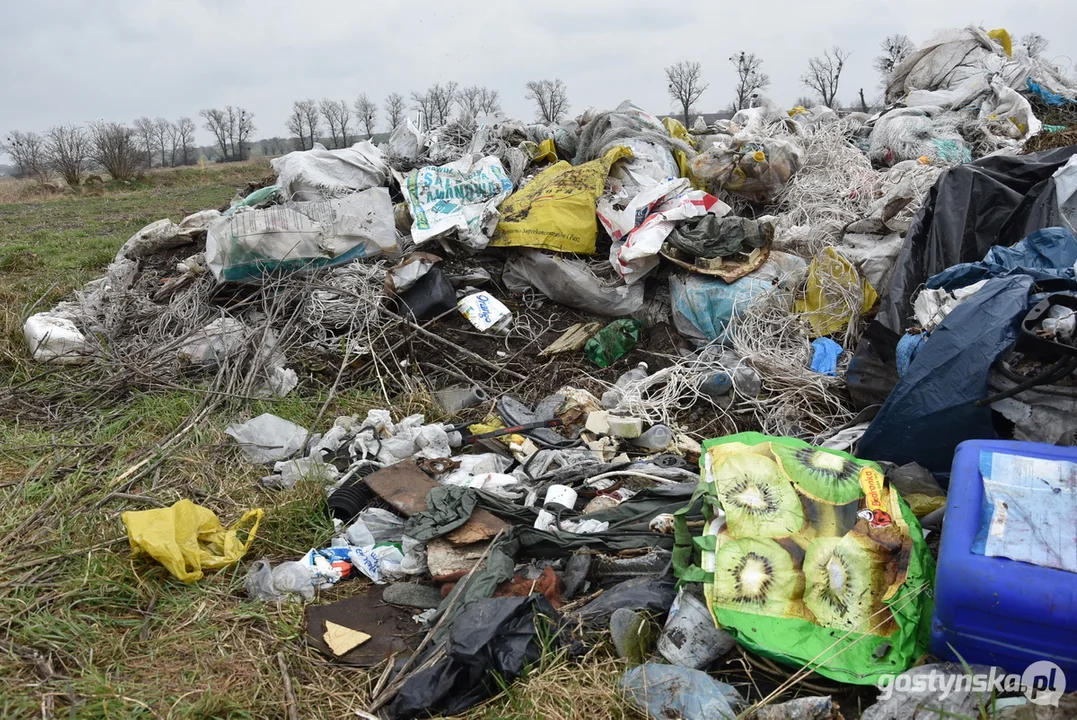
{"x":74,"y":61}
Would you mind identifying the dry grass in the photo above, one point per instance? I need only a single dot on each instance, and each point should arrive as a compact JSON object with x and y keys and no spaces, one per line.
{"x":16,"y":190}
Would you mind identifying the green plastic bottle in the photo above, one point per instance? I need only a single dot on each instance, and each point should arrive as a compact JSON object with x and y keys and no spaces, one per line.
{"x":613,"y":342}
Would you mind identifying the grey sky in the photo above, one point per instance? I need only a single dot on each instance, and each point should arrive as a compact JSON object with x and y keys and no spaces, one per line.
{"x":73,"y":61}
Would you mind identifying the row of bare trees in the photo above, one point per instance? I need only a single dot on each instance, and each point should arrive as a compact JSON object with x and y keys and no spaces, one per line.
{"x":71,"y":151}
{"x":231,"y":127}
{"x":309,"y":119}
{"x":169,"y":144}
{"x":123,"y":151}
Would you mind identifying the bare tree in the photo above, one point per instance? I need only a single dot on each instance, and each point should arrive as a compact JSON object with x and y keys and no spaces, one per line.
{"x":185,"y":127}
{"x":309,"y":108}
{"x":160,"y":139}
{"x":436,"y":103}
{"x":421,"y":103}
{"x":217,"y":123}
{"x":173,"y":144}
{"x":28,"y":151}
{"x":344,"y":116}
{"x":804,"y":101}
{"x":489,"y":101}
{"x":685,"y":86}
{"x":394,"y":110}
{"x":895,"y":49}
{"x":304,"y":123}
{"x":115,"y":148}
{"x":1034,"y":43}
{"x":476,"y":100}
{"x":366,"y":113}
{"x":146,"y":129}
{"x":296,"y":125}
{"x":824,"y":74}
{"x":240,"y":127}
{"x":750,"y":78}
{"x":469,"y":100}
{"x":67,"y":148}
{"x":550,"y":97}
{"x":330,"y":110}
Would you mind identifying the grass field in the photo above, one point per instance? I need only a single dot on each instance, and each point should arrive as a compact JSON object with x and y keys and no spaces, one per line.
{"x":87,"y":632}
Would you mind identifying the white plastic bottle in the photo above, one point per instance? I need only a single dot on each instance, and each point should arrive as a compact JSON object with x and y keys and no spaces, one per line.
{"x":612,"y":397}
{"x":658,"y":437}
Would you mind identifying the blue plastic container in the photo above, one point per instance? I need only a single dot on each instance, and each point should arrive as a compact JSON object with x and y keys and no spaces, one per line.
{"x":996,"y":611}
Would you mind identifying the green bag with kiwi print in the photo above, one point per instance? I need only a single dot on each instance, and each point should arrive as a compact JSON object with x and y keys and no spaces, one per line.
{"x":809,"y":557}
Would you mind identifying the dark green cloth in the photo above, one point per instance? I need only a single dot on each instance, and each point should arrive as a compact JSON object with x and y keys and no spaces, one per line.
{"x":709,"y":236}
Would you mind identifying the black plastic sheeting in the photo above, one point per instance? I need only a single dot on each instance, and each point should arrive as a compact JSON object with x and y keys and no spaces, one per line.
{"x":932,"y":409}
{"x":491,"y":643}
{"x":650,"y":595}
{"x":970,"y":209}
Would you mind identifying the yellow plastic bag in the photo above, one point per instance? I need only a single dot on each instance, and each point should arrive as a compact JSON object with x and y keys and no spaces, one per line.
{"x":1002,"y":37}
{"x":830,"y":279}
{"x":546,"y":152}
{"x":677,"y":131}
{"x":556,"y":210}
{"x":188,"y":538}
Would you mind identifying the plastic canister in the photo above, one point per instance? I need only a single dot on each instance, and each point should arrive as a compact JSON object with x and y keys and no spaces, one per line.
{"x":561,"y":495}
{"x":658,"y":437}
{"x":690,"y":638}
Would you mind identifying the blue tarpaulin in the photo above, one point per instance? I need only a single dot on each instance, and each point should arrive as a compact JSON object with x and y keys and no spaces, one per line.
{"x":1047,"y":254}
{"x":932,"y":408}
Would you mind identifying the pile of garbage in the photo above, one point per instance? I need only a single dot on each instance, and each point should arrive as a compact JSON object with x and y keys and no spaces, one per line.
{"x":699,"y":389}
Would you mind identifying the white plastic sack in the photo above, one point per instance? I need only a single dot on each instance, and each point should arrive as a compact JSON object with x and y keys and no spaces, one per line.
{"x":944,"y":62}
{"x":319,"y":173}
{"x":406,"y":141}
{"x":155,"y":237}
{"x":457,"y":201}
{"x":199,"y":221}
{"x":301,"y":235}
{"x":53,"y":338}
{"x":1003,"y":103}
{"x":650,"y":165}
{"x":572,"y":283}
{"x":874,"y":256}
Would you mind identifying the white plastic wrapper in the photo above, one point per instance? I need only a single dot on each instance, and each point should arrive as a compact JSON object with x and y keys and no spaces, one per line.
{"x":484,"y":311}
{"x":457,"y":201}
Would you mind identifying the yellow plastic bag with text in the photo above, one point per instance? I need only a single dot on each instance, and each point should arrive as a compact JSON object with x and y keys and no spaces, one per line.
{"x":188,"y":538}
{"x":831,"y":280}
{"x":556,"y":210}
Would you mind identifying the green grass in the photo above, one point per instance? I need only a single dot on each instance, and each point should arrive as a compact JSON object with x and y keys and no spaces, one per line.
{"x":85,"y":630}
